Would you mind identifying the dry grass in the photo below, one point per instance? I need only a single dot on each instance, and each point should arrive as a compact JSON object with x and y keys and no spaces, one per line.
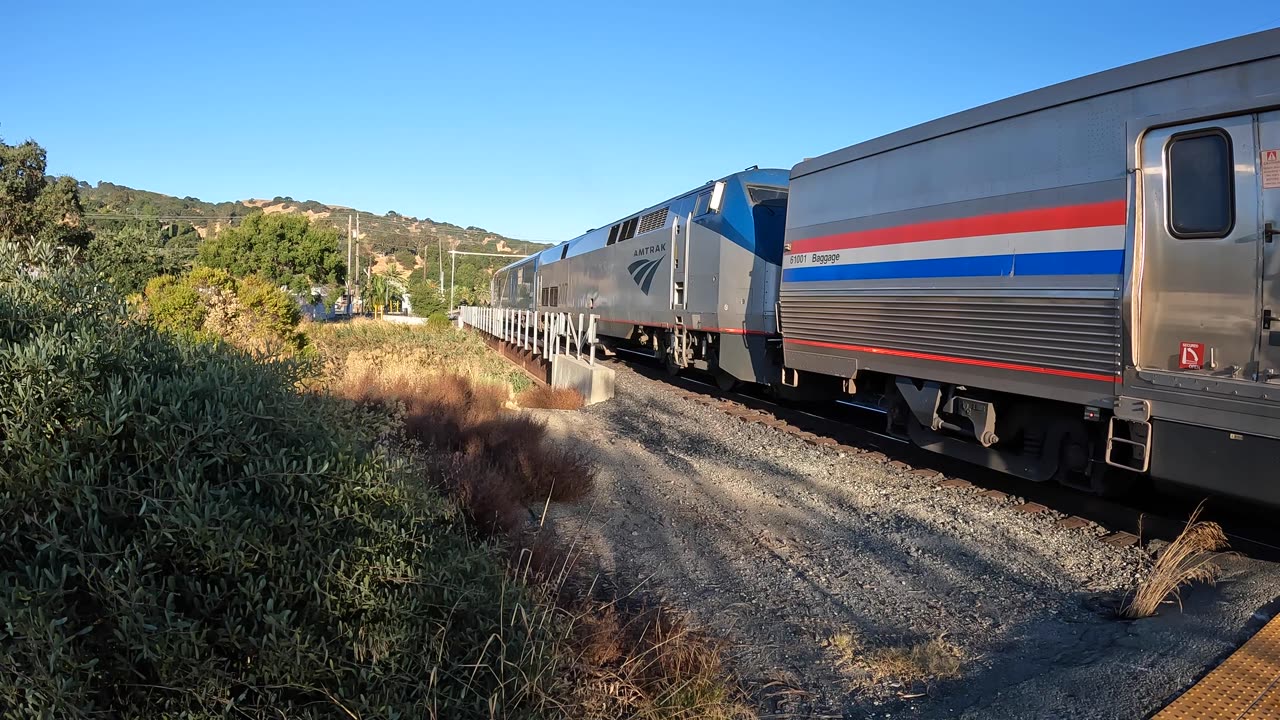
{"x":496,"y":463}
{"x":549,"y":398}
{"x":423,"y":349}
{"x":921,"y":662}
{"x":908,"y":665}
{"x":620,"y":658}
{"x":639,"y":661}
{"x":1188,"y":559}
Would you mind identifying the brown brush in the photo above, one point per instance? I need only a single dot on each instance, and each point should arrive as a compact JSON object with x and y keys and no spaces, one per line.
{"x":1188,"y":559}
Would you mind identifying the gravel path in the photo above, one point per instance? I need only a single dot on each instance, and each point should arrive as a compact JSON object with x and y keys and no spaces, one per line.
{"x":780,"y":546}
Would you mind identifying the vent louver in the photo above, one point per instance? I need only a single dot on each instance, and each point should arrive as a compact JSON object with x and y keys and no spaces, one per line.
{"x":652,"y":221}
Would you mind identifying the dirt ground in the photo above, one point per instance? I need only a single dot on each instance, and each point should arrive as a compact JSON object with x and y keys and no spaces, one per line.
{"x":823,"y":568}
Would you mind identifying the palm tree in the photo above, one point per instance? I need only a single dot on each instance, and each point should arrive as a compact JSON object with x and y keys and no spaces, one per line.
{"x":383,"y":288}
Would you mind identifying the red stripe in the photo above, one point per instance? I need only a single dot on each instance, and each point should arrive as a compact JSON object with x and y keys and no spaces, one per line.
{"x":959,"y":361}
{"x":726,"y":331}
{"x":1112,"y":212}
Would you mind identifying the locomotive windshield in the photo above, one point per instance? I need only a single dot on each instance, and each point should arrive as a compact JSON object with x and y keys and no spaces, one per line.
{"x":769,"y":211}
{"x":761,"y":193}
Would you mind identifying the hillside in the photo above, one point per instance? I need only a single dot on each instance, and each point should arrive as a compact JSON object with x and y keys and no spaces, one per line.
{"x":414,"y":249}
{"x":391,"y":234}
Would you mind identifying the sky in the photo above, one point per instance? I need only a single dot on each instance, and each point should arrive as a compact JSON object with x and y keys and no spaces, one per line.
{"x":534,"y":120}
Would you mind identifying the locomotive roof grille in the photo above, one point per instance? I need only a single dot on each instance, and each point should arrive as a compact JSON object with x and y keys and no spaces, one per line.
{"x":653,"y":220}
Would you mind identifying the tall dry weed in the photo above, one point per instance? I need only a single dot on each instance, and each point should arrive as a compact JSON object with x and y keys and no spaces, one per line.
{"x":1188,"y":559}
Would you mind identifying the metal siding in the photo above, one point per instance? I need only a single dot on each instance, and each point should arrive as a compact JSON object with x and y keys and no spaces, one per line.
{"x":1033,"y":313}
{"x":1201,"y":60}
{"x":1073,"y":335}
{"x":848,"y":363}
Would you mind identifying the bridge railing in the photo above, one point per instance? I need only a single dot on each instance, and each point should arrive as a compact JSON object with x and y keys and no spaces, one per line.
{"x":543,"y":333}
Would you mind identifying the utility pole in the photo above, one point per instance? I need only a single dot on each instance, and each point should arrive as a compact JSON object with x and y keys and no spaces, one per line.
{"x":440,"y":247}
{"x":349,"y":266}
{"x":358,"y":257}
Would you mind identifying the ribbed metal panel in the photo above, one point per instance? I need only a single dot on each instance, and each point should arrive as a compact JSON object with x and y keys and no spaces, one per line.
{"x":1069,"y":333}
{"x":652,"y":221}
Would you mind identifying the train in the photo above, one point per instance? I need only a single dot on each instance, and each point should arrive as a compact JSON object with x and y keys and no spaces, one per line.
{"x":1077,"y":284}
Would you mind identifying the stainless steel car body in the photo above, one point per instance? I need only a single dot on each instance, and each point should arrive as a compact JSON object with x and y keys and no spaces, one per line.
{"x":1025,"y":247}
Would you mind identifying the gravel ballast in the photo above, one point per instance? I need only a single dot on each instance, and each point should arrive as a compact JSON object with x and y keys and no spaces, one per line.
{"x":778,"y":546}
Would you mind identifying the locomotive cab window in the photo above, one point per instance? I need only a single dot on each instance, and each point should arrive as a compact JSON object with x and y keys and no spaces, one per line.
{"x":764,"y":194}
{"x":1201,"y":185}
{"x":704,"y":201}
{"x":613,"y":234}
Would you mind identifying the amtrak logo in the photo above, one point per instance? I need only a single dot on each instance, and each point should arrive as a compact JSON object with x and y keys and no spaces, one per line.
{"x":642,"y":271}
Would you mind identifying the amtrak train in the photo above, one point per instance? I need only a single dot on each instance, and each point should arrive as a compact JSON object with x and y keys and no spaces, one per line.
{"x":694,"y":278}
{"x":1080,"y":283}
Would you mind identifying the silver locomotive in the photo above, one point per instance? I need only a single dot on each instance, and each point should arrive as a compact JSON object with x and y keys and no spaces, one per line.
{"x":693,"y":279}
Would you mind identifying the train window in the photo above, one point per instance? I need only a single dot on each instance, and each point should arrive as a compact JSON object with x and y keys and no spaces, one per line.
{"x":613,"y":234}
{"x":761,"y":194}
{"x":704,"y":201}
{"x":564,"y":251}
{"x":1201,"y":185}
{"x":628,"y":229}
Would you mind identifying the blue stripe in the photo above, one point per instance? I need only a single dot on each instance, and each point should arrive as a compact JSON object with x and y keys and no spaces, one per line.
{"x":1086,"y":262}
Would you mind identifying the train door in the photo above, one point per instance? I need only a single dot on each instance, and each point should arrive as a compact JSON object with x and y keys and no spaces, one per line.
{"x":1269,"y":181}
{"x":1200,"y":273}
{"x":679,"y":262}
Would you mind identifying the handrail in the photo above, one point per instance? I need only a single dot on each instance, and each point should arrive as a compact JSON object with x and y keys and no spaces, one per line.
{"x":543,"y":333}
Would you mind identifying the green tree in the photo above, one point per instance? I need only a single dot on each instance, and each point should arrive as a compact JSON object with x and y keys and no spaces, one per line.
{"x":286,"y":249}
{"x":174,"y":305}
{"x":383,"y":289}
{"x":34,"y":206}
{"x":275,"y":312}
{"x":130,"y":256}
{"x":425,"y":296}
{"x":406,"y":259}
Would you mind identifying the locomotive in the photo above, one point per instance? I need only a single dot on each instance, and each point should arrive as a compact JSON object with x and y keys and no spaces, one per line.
{"x":693,"y":279}
{"x":1079,"y":284}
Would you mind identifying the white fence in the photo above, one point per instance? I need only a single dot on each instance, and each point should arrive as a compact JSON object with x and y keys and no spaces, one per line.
{"x":543,"y":333}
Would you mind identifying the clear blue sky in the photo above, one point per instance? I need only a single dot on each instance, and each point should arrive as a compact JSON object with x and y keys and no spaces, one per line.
{"x":534,"y":119}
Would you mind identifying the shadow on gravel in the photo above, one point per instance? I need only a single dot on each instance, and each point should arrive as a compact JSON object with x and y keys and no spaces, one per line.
{"x":783,"y":558}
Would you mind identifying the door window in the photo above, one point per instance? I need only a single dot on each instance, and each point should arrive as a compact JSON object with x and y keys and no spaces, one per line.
{"x":1201,"y":185}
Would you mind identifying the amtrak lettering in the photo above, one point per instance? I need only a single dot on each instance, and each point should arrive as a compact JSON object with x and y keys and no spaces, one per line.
{"x":649,"y":250}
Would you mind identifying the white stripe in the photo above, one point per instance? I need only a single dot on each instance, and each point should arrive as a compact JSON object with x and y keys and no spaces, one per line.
{"x":1107,"y":237}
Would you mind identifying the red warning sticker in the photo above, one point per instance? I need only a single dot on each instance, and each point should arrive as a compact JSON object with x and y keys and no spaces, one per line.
{"x":1191,"y":356}
{"x":1271,"y":169}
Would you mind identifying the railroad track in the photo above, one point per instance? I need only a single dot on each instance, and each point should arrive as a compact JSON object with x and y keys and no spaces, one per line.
{"x":1140,"y":517}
